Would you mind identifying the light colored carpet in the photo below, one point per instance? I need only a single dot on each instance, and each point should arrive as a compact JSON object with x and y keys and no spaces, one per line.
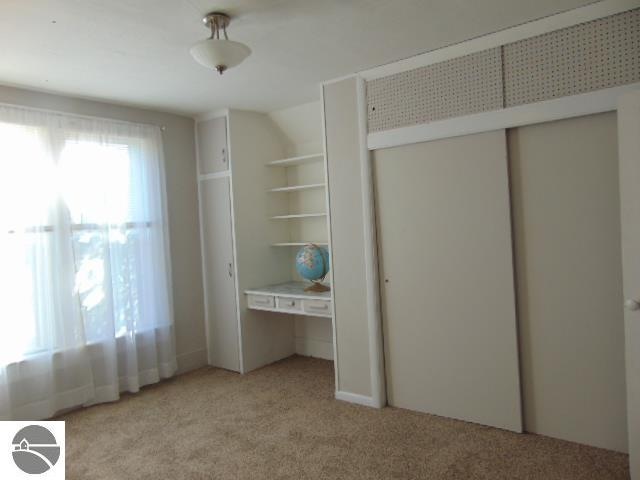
{"x":281,"y":422}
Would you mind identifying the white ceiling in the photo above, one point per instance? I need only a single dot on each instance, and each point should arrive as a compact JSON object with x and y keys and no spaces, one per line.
{"x":137,"y":51}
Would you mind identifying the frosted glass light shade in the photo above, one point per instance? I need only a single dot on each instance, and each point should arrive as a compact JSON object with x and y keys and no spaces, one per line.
{"x":219,"y":54}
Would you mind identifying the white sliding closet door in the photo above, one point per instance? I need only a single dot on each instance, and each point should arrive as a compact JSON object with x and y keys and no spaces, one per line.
{"x":220,"y":294}
{"x":449,"y":324}
{"x":565,"y":200}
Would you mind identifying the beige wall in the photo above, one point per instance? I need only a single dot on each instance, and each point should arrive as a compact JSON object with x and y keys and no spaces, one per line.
{"x":564,"y":180}
{"x":301,"y":128}
{"x":180,"y":165}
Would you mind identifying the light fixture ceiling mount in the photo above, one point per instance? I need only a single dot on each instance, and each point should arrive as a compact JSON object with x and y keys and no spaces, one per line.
{"x":216,"y":21}
{"x":215,"y":52}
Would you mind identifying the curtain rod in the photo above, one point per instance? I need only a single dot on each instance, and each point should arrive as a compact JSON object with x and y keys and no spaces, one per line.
{"x":78,"y":115}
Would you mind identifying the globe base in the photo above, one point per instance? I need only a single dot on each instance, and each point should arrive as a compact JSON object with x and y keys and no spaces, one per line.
{"x":317,"y":287}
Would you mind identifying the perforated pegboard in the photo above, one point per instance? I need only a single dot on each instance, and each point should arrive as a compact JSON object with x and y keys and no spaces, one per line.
{"x":452,"y":88}
{"x":599,"y":54}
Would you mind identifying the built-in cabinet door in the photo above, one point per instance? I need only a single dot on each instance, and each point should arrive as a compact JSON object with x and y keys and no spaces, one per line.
{"x":212,"y":146}
{"x":449,"y":318}
{"x":220,"y":290}
{"x":629,"y":151}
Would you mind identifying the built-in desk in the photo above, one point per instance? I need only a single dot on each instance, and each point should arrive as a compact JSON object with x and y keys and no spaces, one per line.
{"x":290,"y":297}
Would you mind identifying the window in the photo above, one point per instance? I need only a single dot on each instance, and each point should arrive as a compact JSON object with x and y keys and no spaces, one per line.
{"x":83,"y":249}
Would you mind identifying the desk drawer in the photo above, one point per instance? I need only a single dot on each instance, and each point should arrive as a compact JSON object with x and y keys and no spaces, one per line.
{"x":317,"y":307}
{"x":261,"y":301}
{"x":289,"y":304}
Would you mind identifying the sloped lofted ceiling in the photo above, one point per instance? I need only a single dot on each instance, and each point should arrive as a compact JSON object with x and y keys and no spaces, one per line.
{"x":137,"y":51}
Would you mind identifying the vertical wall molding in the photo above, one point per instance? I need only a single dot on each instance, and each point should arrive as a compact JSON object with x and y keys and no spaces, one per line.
{"x":376,"y":357}
{"x":329,"y":239}
{"x":235,"y":249}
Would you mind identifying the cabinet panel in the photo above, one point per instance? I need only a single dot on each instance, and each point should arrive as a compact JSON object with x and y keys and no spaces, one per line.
{"x":212,"y":146}
{"x":220,"y":294}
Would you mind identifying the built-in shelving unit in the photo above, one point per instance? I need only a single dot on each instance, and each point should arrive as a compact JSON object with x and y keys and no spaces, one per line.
{"x":292,"y":210}
{"x":299,"y":160}
{"x":304,"y":175}
{"x":260,"y":201}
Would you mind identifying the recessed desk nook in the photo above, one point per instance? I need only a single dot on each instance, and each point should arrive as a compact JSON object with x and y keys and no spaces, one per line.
{"x":290,"y":297}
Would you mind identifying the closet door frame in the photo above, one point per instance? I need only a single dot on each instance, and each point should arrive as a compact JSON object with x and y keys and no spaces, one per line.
{"x":628,"y":126}
{"x":599,"y":101}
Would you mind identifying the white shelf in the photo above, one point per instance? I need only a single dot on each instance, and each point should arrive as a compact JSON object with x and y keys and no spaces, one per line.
{"x":290,"y":290}
{"x":214,"y":175}
{"x":298,"y":215}
{"x":287,"y":162}
{"x":298,"y":244}
{"x":296,"y":188}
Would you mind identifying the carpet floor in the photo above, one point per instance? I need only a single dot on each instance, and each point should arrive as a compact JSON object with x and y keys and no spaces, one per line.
{"x":282,"y":422}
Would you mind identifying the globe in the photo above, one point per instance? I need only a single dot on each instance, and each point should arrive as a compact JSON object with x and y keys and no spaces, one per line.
{"x":312,"y":263}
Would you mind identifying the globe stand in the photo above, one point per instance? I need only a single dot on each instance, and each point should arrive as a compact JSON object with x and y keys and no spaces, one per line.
{"x":317,"y":287}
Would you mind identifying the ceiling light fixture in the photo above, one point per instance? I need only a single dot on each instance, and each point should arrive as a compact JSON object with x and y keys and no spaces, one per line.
{"x":219,"y":53}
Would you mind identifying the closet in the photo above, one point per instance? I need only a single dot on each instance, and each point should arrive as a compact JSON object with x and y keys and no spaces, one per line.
{"x":495,"y":227}
{"x":262,"y":196}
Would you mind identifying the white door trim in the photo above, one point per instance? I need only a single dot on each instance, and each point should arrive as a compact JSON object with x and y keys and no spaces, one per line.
{"x":628,"y":127}
{"x":329,"y":240}
{"x":234,"y":244}
{"x":374,"y":320}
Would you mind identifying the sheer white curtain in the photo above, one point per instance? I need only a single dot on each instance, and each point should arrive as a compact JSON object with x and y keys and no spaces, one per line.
{"x":85,"y":302}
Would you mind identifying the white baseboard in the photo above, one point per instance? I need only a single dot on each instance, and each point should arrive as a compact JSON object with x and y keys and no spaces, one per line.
{"x":313,"y":347}
{"x":355,"y":398}
{"x":191,"y":361}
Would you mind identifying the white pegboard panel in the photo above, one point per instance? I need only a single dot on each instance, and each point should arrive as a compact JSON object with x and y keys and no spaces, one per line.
{"x":591,"y":56}
{"x":460,"y":86}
